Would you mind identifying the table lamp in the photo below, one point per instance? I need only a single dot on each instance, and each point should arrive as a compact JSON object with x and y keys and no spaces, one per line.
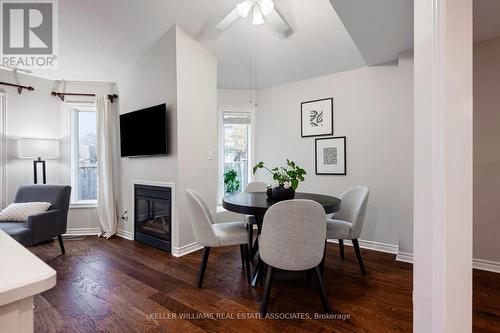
{"x":38,"y":149}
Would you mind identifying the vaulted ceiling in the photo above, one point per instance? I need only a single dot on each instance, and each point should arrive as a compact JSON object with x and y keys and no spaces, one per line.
{"x":98,"y":40}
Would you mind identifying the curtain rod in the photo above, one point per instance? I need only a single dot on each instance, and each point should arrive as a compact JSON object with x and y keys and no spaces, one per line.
{"x":61,"y":95}
{"x":19,"y":87}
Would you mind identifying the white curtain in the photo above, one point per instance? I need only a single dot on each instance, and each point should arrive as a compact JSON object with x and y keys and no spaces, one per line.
{"x":106,"y":209}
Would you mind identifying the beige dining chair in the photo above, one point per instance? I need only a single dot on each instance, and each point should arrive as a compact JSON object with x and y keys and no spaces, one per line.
{"x":253,"y":187}
{"x":210,"y":234}
{"x":293,"y":239}
{"x":347,"y":222}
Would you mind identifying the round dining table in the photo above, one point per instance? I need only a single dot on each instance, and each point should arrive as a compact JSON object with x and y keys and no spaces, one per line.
{"x":257,"y":203}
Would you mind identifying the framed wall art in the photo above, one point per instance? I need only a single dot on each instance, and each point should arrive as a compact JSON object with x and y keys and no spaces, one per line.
{"x":317,"y":117}
{"x":330,"y":156}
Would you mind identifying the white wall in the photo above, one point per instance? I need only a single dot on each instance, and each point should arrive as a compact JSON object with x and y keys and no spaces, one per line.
{"x":373,"y":108}
{"x":151,"y":80}
{"x":180,"y":72}
{"x":37,"y":114}
{"x":34,"y":115}
{"x":197,"y":127}
{"x":486,"y":150}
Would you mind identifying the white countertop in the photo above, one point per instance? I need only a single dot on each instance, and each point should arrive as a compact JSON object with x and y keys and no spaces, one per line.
{"x":22,"y":274}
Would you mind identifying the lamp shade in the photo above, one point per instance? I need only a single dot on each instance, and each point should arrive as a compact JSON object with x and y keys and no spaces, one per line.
{"x":34,"y":148}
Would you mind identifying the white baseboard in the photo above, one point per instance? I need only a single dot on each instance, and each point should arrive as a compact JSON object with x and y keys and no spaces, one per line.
{"x":183,"y":250}
{"x":486,"y":265}
{"x":125,"y":234}
{"x":370,"y":245}
{"x":481,"y":264}
{"x":405,"y":257}
{"x":82,"y":232}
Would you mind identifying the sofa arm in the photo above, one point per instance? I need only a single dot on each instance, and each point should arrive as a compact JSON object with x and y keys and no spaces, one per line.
{"x":47,"y":225}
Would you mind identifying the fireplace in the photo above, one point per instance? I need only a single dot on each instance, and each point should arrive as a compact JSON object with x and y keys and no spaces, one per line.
{"x":153,"y":216}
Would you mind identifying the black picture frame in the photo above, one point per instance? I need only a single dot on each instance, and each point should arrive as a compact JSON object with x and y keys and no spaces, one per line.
{"x":344,"y":139}
{"x":302,"y":117}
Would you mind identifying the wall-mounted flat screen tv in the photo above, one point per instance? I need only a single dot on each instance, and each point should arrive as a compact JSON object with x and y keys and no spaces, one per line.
{"x":144,"y":132}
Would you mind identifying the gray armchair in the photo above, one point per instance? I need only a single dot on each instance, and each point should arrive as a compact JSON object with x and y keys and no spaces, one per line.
{"x":44,"y":226}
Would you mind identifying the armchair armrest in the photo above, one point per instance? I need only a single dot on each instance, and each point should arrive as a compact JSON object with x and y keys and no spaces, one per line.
{"x":47,"y":225}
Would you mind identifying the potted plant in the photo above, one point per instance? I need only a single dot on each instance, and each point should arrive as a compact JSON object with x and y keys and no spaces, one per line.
{"x":231,"y":181}
{"x":286,"y":178}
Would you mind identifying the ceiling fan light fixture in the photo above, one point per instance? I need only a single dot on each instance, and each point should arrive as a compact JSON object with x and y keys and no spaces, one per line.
{"x":244,"y":8}
{"x":266,"y":7}
{"x":257,"y":16}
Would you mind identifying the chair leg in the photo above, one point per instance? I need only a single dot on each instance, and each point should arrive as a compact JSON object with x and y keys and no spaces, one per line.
{"x":324,"y":299}
{"x":61,"y":244}
{"x":267,"y":290}
{"x":341,"y":248}
{"x":203,"y":266}
{"x":250,"y":236}
{"x":242,"y":255}
{"x":355,"y":243}
{"x":246,"y":255}
{"x":322,"y":264}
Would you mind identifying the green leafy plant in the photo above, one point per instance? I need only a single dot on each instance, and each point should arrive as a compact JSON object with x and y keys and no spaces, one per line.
{"x":231,"y":181}
{"x":289,"y":176}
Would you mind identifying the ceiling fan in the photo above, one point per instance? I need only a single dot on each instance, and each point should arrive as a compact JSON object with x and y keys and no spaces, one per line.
{"x":262,"y":11}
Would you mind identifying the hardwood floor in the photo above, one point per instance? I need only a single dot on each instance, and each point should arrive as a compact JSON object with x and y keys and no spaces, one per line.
{"x":118,"y":285}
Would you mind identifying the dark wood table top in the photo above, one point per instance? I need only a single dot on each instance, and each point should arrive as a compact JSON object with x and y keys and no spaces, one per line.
{"x":257,"y":203}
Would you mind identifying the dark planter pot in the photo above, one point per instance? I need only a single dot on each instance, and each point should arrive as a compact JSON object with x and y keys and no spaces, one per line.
{"x":280,"y":193}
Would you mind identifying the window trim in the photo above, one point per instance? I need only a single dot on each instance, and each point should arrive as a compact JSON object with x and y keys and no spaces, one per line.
{"x":220,"y":146}
{"x":73,"y":154}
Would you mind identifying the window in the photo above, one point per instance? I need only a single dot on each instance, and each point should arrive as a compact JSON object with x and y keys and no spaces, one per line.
{"x":235,"y":151}
{"x":84,"y":154}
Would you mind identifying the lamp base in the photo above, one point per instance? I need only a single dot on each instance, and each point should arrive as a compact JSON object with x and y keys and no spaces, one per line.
{"x":35,"y":171}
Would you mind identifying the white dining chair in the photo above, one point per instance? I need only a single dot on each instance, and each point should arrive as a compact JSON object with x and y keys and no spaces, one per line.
{"x":253,"y":187}
{"x":210,"y":234}
{"x":293,"y":239}
{"x":347,"y":222}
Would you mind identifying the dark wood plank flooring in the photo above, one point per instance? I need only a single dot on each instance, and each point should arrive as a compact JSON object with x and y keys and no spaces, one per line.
{"x":118,"y":285}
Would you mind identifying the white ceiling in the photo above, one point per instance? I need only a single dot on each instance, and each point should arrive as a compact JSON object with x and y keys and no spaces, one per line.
{"x":486,"y":20}
{"x":98,"y":40}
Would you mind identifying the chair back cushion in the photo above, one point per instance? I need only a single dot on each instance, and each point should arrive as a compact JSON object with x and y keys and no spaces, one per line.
{"x":201,"y":219}
{"x":293,"y":235}
{"x":256,"y":187}
{"x":353,"y":208}
{"x":57,"y":195}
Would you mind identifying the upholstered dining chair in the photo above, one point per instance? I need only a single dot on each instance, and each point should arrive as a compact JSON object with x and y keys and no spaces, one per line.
{"x":253,"y":187}
{"x":347,"y":222}
{"x":210,"y":234}
{"x":293,"y":239}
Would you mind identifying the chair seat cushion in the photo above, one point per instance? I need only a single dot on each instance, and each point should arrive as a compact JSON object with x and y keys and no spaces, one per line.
{"x":337,"y":229}
{"x":19,"y":231}
{"x":230,"y":233}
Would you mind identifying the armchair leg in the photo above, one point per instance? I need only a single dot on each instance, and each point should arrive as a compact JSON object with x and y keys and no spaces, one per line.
{"x":203,"y":266}
{"x":341,"y":248}
{"x":61,"y":244}
{"x":355,"y":243}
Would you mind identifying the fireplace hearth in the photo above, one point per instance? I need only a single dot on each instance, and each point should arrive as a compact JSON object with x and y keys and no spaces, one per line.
{"x":153,"y":216}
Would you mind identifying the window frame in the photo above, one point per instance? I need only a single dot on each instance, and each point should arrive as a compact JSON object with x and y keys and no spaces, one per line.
{"x":74,"y":153}
{"x":251,"y":148}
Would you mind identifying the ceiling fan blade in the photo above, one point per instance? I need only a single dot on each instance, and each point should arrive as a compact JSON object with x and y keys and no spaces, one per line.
{"x":278,"y":23}
{"x":228,"y":20}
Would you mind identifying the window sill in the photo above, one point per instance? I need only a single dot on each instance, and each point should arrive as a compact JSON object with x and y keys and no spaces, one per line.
{"x":83,"y":204}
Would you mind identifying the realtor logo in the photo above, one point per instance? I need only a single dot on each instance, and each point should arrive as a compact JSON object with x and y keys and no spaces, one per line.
{"x":29,"y":33}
